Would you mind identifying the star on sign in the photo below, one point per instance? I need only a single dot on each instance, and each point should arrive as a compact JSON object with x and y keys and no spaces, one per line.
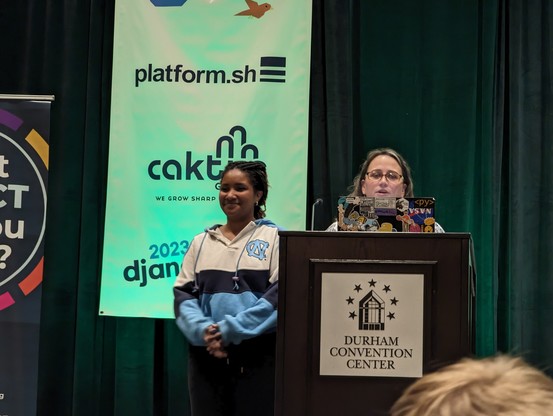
{"x":349,"y":300}
{"x":372,"y":282}
{"x":357,"y":288}
{"x":352,"y":315}
{"x":394,"y":301}
{"x":391,"y":315}
{"x":386,"y":288}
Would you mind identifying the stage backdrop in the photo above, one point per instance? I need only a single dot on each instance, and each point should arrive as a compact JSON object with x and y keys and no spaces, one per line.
{"x":195,"y":85}
{"x":24,"y":137}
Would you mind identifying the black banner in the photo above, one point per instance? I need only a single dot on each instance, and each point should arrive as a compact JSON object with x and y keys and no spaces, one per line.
{"x":24,"y":137}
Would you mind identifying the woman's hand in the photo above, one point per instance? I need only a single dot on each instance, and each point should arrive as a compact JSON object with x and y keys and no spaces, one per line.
{"x":214,"y":341}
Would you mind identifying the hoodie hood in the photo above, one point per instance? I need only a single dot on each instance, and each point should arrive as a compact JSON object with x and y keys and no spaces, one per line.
{"x":261,"y":221}
{"x":269,"y":223}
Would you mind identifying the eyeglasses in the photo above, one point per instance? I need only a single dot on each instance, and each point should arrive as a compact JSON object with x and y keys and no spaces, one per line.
{"x":391,"y":176}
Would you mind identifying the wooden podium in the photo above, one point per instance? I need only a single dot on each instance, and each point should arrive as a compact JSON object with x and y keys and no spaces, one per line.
{"x":337,"y":353}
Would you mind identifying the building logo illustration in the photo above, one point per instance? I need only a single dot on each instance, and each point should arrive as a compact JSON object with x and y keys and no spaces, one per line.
{"x":371,"y":308}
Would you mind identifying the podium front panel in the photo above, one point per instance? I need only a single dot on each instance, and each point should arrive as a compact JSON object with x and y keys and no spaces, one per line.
{"x":363,"y":315}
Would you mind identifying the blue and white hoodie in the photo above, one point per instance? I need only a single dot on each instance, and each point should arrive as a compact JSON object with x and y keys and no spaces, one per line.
{"x":231,"y":283}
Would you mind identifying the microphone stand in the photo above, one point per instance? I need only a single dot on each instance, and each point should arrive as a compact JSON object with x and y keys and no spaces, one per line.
{"x":317,"y":202}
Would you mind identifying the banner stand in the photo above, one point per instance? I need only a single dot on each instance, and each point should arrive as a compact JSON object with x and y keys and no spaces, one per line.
{"x":183,"y":105}
{"x":24,"y":147}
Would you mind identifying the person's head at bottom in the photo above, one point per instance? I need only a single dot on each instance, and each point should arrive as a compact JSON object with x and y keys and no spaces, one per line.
{"x":498,"y":386}
{"x":384,"y":173}
{"x":243,"y":191}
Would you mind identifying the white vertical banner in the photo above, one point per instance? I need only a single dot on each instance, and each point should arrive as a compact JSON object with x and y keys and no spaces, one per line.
{"x":197,"y":84}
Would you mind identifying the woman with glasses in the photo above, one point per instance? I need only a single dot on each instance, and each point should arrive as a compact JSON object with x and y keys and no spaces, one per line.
{"x":385,"y":173}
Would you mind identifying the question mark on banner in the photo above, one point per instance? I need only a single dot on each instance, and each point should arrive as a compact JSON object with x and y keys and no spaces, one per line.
{"x":7,"y":252}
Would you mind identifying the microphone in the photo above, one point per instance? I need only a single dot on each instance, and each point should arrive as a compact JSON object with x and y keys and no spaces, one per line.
{"x":317,"y":202}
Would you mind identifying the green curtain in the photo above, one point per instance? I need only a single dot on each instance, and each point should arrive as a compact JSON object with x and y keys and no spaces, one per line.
{"x":88,"y":365}
{"x":462,"y":88}
{"x":421,"y":81}
{"x":426,"y":83}
{"x":523,"y":146}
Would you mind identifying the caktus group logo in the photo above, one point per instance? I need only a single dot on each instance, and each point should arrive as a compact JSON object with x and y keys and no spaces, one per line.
{"x":271,"y":69}
{"x":227,"y":148}
{"x":23,"y":167}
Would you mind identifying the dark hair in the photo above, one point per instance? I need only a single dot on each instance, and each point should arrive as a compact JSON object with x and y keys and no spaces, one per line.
{"x":355,"y":187}
{"x":257,"y":174}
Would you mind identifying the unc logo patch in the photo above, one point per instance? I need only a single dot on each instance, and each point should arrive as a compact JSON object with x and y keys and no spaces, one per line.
{"x":257,"y":249}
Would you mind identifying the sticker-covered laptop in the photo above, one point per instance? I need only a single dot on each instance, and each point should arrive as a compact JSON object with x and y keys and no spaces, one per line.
{"x":390,"y":214}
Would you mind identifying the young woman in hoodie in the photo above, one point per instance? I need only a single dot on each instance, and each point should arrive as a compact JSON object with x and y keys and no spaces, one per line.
{"x":226,"y":301}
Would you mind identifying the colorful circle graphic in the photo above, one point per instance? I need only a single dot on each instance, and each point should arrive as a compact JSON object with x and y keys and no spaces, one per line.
{"x":23,"y":173}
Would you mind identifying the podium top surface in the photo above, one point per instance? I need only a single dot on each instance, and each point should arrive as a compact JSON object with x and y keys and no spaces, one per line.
{"x":372,"y":234}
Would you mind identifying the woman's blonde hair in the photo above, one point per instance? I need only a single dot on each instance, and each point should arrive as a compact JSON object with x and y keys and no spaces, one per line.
{"x":498,"y":386}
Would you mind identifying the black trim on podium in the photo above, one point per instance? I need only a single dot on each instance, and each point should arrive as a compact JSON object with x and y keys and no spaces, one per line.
{"x":445,"y":261}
